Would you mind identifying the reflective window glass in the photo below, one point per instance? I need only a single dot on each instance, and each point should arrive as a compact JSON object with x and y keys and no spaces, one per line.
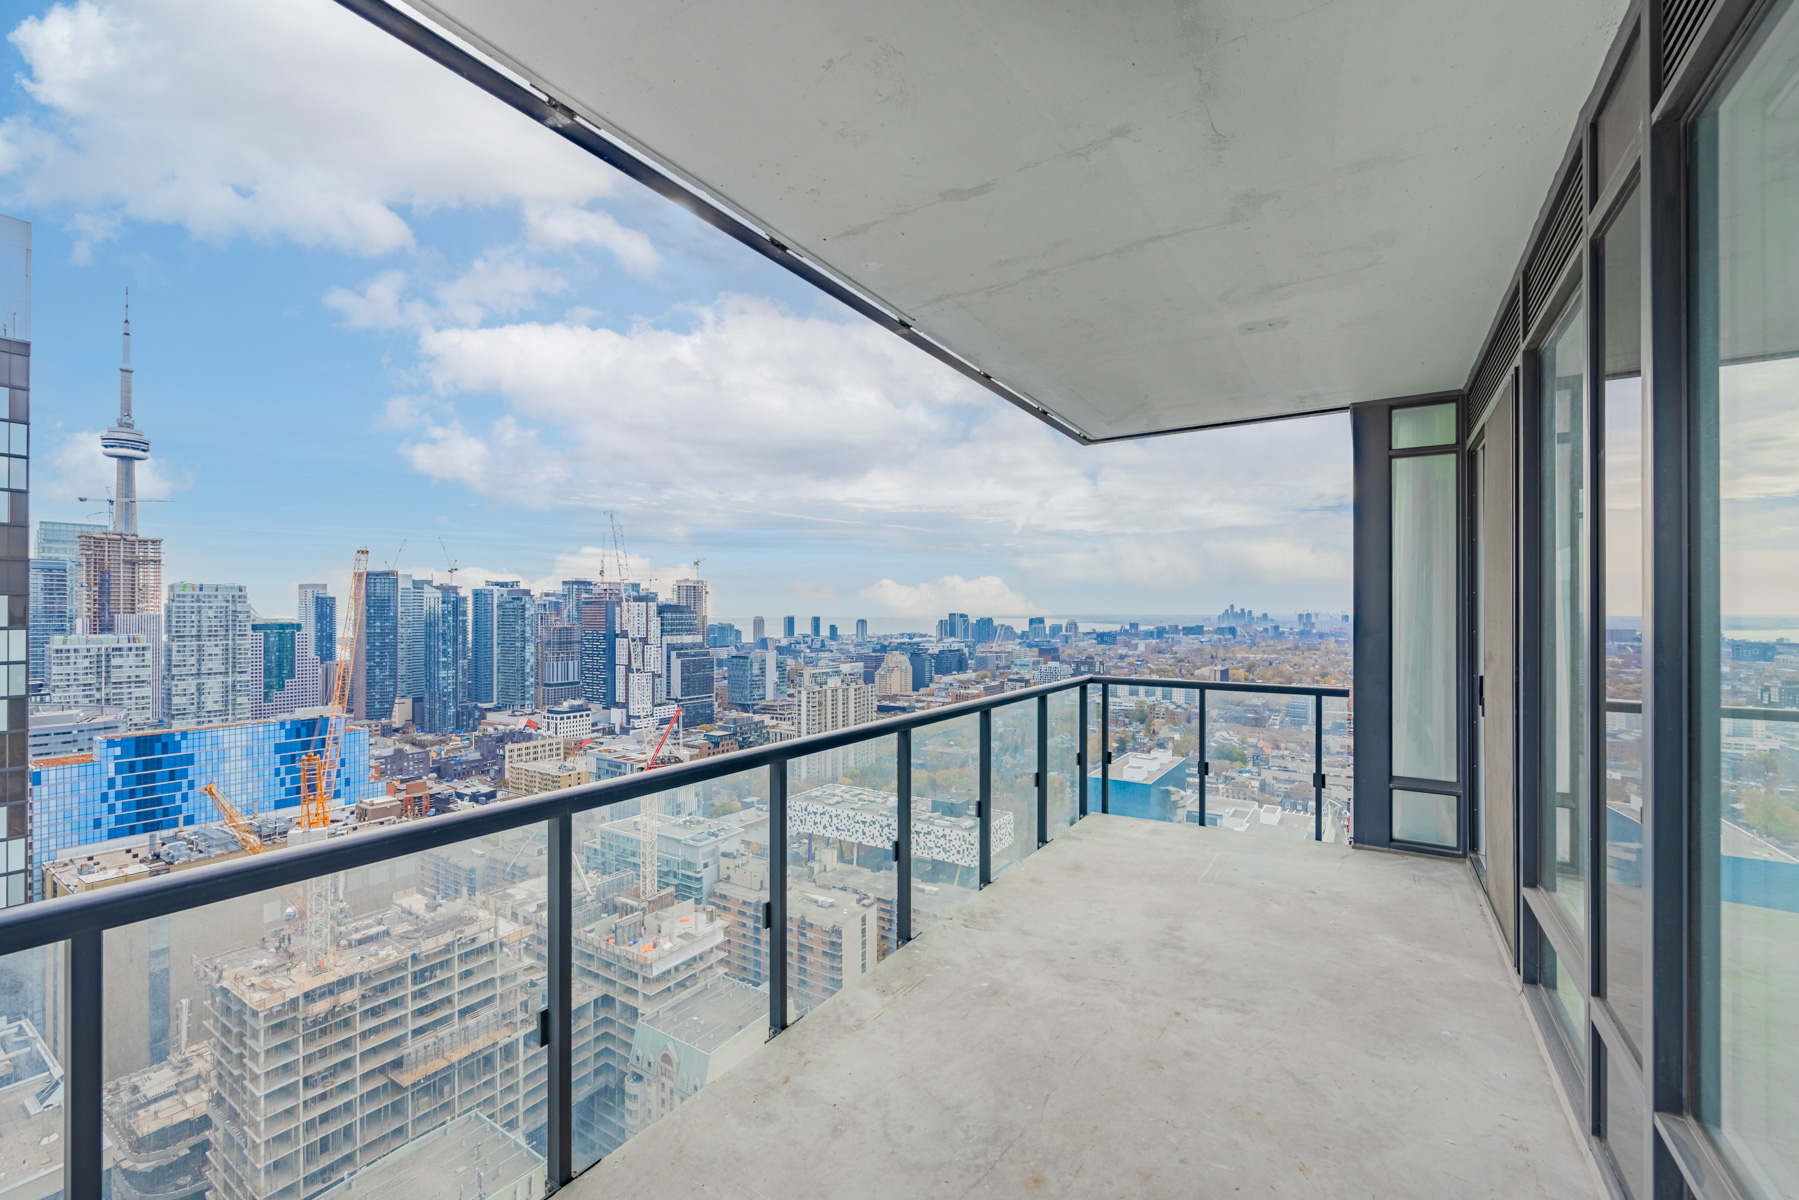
{"x":1622,"y":463}
{"x":1746,"y":373}
{"x":1566,"y":999}
{"x":1562,"y":632}
{"x":1624,"y":1121}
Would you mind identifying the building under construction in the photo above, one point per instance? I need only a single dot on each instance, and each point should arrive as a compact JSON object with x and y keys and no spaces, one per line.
{"x":325,"y":1059}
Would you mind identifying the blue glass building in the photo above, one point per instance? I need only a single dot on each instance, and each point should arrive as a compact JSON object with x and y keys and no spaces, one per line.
{"x":324,"y":626}
{"x":137,"y":784}
{"x":380,"y":644}
{"x":447,"y":706}
{"x":280,"y":658}
{"x":481,"y":644}
{"x":53,"y":583}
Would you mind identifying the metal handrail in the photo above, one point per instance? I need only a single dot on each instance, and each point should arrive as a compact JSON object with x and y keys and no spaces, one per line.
{"x":1219,"y":685}
{"x":32,"y":925}
{"x":1730,"y":713}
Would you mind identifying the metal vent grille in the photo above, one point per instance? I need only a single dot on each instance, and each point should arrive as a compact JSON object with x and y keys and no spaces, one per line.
{"x":1498,"y":361}
{"x":1681,"y":22}
{"x":1560,"y":237}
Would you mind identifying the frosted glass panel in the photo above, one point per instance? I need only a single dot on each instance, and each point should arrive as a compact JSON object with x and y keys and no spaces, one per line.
{"x":1424,"y":817}
{"x":1430,"y":425}
{"x":1424,"y":508}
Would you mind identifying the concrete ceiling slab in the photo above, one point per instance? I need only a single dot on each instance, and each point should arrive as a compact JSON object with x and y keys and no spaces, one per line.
{"x":1142,"y":216}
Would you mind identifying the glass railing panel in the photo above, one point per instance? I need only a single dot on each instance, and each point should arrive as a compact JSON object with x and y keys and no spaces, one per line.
{"x":1260,"y":746}
{"x":670,"y":971}
{"x":1339,"y":771}
{"x":1096,"y":746}
{"x":842,"y":881}
{"x":945,"y":832}
{"x":1014,"y":787}
{"x":381,"y":1022}
{"x":34,"y":1042}
{"x":1155,"y":742}
{"x":1064,"y":764}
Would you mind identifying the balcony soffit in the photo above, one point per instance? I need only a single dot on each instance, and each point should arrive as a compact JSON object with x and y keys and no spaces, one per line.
{"x":1142,"y":217}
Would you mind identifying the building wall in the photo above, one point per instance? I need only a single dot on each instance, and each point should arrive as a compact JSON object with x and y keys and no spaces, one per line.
{"x":837,"y":706}
{"x":515,"y":649}
{"x":378,"y":647}
{"x":211,"y":654}
{"x":558,"y":660}
{"x":120,"y":574}
{"x":143,"y":783}
{"x":15,"y":585}
{"x":113,"y":670}
{"x":297,"y":682}
{"x":447,"y":705}
{"x":53,"y":597}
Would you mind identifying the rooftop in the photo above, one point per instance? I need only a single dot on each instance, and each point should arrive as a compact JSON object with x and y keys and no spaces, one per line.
{"x":1021,"y":1046}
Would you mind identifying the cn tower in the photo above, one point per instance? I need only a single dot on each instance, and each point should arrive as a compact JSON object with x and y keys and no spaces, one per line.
{"x":126,"y":443}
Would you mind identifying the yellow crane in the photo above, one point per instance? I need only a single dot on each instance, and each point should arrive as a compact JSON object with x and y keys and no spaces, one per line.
{"x":252,"y":842}
{"x":236,"y":822}
{"x":318,"y":772}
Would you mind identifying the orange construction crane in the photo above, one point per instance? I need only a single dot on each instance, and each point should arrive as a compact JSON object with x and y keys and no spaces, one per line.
{"x":318,"y":772}
{"x":248,"y":838}
{"x":235,"y":822}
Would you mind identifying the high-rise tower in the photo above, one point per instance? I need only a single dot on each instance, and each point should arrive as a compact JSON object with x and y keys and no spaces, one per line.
{"x":121,"y":573}
{"x":125,"y":442}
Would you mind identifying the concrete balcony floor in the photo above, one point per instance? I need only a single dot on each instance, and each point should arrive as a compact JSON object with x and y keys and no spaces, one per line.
{"x":1149,"y":1010}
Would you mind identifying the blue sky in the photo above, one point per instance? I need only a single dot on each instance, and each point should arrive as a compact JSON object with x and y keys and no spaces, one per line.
{"x":371,"y":306}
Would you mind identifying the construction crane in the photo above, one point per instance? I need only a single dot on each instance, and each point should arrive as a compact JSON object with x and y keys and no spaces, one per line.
{"x":236,"y":822}
{"x":618,"y":547}
{"x":252,"y":842}
{"x":647,"y":820}
{"x":451,"y":561}
{"x":318,"y":772}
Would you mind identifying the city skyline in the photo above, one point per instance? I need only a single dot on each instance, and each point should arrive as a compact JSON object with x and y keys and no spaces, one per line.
{"x":399,"y":349}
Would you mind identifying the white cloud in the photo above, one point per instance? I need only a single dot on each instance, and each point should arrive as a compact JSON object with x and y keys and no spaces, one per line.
{"x":279,"y":118}
{"x":987,"y":595}
{"x":565,"y":227}
{"x":747,"y":414}
{"x":74,"y":467}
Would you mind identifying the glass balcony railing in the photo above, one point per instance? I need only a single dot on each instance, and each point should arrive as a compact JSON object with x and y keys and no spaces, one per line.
{"x":1254,"y":758}
{"x":528,"y":985}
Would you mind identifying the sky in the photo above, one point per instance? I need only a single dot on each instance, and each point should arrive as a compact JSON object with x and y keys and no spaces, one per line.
{"x":371,"y":306}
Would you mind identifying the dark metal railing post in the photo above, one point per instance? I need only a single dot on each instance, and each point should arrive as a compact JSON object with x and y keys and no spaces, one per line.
{"x":1317,"y":768}
{"x":984,"y":806}
{"x":559,"y":999}
{"x":776,"y":919}
{"x":1105,"y":747}
{"x":1080,"y":754}
{"x":84,"y":957}
{"x":1043,"y":770}
{"x":902,"y":845}
{"x":1205,"y":759}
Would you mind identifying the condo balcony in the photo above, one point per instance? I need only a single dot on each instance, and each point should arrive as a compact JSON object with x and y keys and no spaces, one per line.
{"x":1516,"y":914}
